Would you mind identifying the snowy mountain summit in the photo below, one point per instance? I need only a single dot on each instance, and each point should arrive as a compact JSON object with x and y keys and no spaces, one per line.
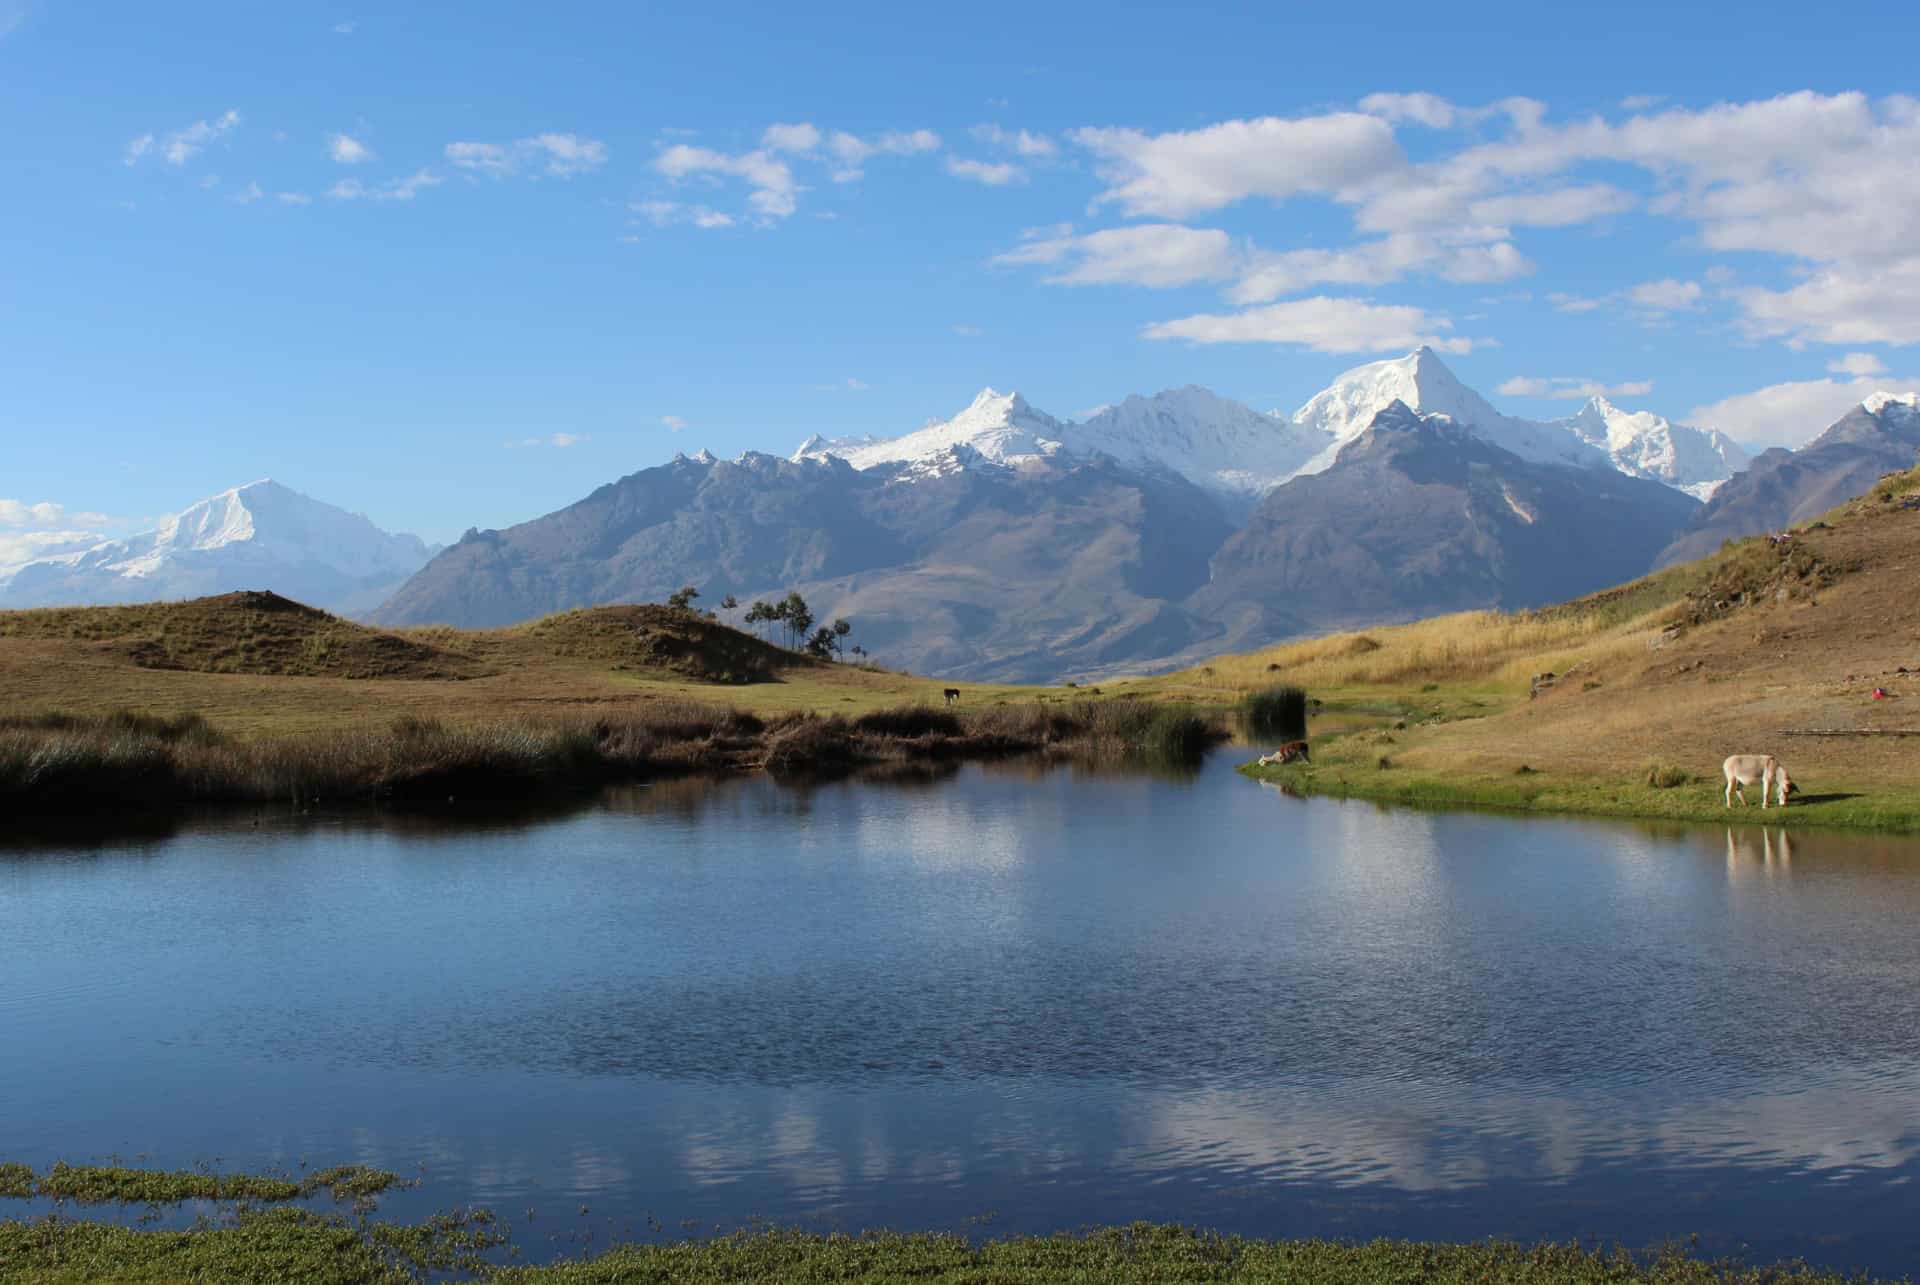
{"x":1239,"y":454}
{"x":260,"y":536}
{"x":1642,"y":444}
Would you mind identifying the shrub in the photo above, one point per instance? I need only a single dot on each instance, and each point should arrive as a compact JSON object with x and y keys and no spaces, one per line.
{"x":1662,"y":775}
{"x":909,"y":720}
{"x":1277,"y":712}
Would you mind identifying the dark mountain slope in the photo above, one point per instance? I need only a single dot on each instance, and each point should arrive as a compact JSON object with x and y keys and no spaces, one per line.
{"x":1417,"y":517}
{"x":1782,"y":488}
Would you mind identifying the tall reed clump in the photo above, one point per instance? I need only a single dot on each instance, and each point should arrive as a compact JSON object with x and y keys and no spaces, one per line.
{"x":1171,"y":734}
{"x":1274,"y":713}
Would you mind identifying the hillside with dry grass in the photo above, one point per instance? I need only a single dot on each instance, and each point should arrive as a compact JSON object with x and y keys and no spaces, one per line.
{"x":1762,"y":647}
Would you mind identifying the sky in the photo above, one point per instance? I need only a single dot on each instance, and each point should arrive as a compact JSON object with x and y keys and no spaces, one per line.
{"x":455,"y":265}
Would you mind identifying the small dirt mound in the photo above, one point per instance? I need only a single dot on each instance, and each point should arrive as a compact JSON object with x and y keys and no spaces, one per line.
{"x":649,"y":636}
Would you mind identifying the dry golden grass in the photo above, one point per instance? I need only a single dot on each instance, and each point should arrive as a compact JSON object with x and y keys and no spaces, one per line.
{"x":1735,"y":653}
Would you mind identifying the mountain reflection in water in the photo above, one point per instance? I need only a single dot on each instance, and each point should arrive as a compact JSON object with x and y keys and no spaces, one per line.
{"x":1049,"y":995}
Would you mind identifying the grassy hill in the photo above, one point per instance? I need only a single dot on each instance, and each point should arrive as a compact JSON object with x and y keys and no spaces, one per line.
{"x":255,"y":664}
{"x":1751,"y":650}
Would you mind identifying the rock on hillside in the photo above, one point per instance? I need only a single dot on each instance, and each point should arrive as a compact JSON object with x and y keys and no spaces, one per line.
{"x":1786,"y":488}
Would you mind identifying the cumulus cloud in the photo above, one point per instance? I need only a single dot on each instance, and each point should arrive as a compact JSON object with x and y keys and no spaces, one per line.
{"x":551,"y":155}
{"x":395,"y":189}
{"x":1149,"y":254}
{"x":1426,"y":109}
{"x":1857,"y":363}
{"x":1572,"y":388}
{"x":668,"y":213}
{"x":773,"y":194}
{"x":1667,"y":295}
{"x":1020,"y":142}
{"x":1824,"y":182}
{"x":1844,"y":305}
{"x":850,"y":152}
{"x":1792,"y":414}
{"x":46,"y":514}
{"x":990,"y":173}
{"x":790,"y":138}
{"x":1321,"y":324}
{"x":182,"y":145}
{"x":346,"y":150}
{"x":1180,"y":174}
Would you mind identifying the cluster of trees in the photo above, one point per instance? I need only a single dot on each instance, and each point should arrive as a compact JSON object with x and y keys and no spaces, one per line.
{"x":791,"y":614}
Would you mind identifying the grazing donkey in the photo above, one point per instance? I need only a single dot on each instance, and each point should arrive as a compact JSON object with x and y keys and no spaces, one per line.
{"x":1744,"y":769}
{"x":952,"y":694}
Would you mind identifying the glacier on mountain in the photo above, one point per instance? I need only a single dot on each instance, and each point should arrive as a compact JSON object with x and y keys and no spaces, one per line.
{"x":262,"y":535}
{"x":1239,"y":454}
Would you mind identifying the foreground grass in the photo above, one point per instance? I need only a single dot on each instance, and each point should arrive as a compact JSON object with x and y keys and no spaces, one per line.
{"x":60,"y":762}
{"x":291,"y":1244}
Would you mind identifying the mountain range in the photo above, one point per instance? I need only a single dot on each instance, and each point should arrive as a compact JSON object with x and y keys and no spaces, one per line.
{"x":1007,"y":543}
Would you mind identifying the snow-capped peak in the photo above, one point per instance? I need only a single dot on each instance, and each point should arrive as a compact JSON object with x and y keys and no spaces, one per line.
{"x":1345,"y":408}
{"x":261,"y":535}
{"x":1642,"y":444}
{"x":1877,"y":403}
{"x":1001,"y":427}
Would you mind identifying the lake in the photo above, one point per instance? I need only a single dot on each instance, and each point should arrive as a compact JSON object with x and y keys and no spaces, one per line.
{"x":1018,"y":999}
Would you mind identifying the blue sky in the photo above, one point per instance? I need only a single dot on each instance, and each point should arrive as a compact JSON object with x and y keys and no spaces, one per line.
{"x":458,"y":264}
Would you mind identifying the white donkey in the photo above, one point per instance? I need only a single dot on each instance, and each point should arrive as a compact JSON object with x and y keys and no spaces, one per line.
{"x":1744,"y":769}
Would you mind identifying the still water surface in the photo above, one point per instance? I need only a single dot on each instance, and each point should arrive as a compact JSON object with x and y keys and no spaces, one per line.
{"x":1026,"y":996}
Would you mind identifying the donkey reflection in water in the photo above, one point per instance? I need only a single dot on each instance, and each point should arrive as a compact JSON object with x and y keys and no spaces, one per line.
{"x":1744,"y":769}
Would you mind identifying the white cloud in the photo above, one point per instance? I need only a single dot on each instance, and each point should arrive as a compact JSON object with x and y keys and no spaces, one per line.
{"x":991,"y":173}
{"x":345,"y":28}
{"x":850,"y":152}
{"x":1322,"y":324}
{"x":293,"y":198}
{"x":1792,"y":414}
{"x":1421,"y":108}
{"x":1147,"y":254}
{"x":395,"y":189}
{"x":184,"y":144}
{"x":848,"y":385}
{"x":790,"y":138}
{"x":1179,"y":174}
{"x":673,"y":423}
{"x":1667,"y":295}
{"x":1022,"y":143}
{"x":1849,"y":305}
{"x":1857,"y":363}
{"x":667,"y":213}
{"x":773,"y":193}
{"x":247,"y":195}
{"x":346,"y":150}
{"x":967,"y":331}
{"x":1555,"y":208}
{"x":558,"y":440}
{"x":46,"y":514}
{"x":1574,"y":303}
{"x":552,"y":155}
{"x":1641,"y":102}
{"x":1572,"y":388}
{"x":137,"y":148}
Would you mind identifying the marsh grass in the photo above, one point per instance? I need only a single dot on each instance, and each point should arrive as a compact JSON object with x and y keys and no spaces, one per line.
{"x":61,"y":762}
{"x":104,"y":1184}
{"x":1274,"y":713}
{"x":298,"y":1244}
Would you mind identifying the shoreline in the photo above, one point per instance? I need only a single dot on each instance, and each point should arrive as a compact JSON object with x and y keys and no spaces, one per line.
{"x":1552,"y":793}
